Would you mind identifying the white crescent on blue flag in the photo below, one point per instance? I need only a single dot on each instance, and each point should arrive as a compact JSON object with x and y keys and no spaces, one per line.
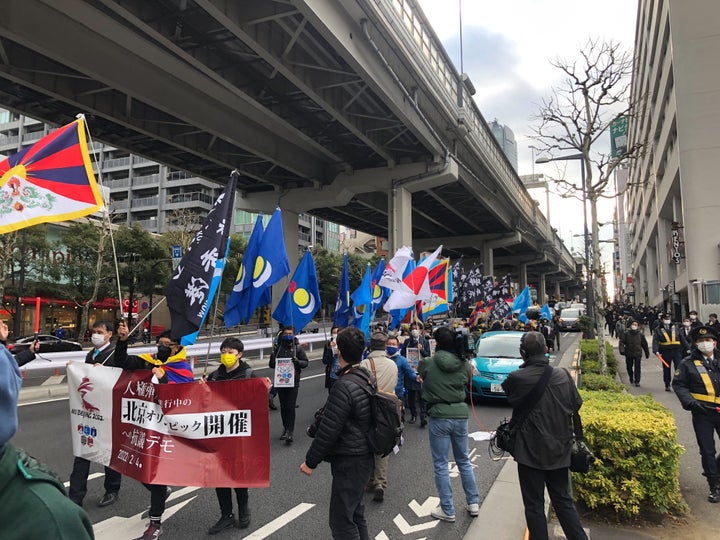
{"x":302,"y":296}
{"x":237,"y":303}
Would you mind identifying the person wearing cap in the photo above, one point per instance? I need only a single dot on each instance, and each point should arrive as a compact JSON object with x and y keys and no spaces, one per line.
{"x":666,"y":345}
{"x":696,"y":384}
{"x":33,"y":501}
{"x":385,"y":372}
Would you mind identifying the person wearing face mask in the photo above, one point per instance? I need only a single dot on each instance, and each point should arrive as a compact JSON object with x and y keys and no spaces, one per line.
{"x":33,"y":503}
{"x":694,"y":321}
{"x":170,"y":366}
{"x":697,"y":384}
{"x":666,"y":345}
{"x":634,"y":345}
{"x":101,"y":353}
{"x":232,"y":366}
{"x":415,"y":400}
{"x":385,"y":373}
{"x":289,"y":347}
{"x":686,"y":335}
{"x":713,"y":322}
{"x":330,"y":359}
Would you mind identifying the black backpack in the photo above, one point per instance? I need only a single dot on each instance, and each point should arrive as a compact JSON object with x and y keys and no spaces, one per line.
{"x":386,"y":427}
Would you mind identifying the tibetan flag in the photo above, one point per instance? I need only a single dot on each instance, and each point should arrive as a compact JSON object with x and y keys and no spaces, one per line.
{"x":302,"y":296}
{"x":271,"y":264}
{"x":239,"y":299}
{"x":342,"y":305}
{"x":189,"y":292}
{"x":49,"y":181}
{"x":440,"y":289}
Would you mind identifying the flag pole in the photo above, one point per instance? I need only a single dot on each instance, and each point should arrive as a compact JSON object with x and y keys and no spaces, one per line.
{"x":139,"y":323}
{"x":106,"y":216}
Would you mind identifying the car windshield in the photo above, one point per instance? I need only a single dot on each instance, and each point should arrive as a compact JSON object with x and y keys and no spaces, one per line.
{"x":570,"y":313}
{"x":500,"y":345}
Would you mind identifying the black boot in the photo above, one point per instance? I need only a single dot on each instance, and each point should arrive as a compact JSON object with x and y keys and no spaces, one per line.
{"x":284,"y":434}
{"x":714,"y":496}
{"x":244,"y":516}
{"x":289,"y":438}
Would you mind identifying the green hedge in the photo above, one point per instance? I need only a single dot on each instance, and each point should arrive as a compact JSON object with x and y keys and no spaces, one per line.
{"x":634,"y":439}
{"x":589,"y":360}
{"x":594,"y":381}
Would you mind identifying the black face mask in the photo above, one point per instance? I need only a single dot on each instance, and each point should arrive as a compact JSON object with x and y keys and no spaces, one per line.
{"x":163,"y":353}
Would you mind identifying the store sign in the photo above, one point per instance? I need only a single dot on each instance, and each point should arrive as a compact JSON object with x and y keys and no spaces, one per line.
{"x":676,"y":245}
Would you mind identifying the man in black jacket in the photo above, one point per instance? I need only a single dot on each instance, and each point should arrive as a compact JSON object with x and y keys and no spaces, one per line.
{"x":341,"y":440}
{"x":101,"y":353}
{"x":634,"y":345}
{"x":696,"y":384}
{"x":543,"y":443}
{"x":232,"y":367}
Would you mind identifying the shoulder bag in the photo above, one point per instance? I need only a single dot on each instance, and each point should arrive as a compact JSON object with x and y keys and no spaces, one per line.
{"x":581,"y":457}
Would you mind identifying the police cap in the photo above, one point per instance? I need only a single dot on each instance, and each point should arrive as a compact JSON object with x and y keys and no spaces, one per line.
{"x":704,"y":332}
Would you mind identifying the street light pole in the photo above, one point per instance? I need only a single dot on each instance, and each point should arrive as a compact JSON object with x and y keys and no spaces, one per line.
{"x":589,"y":289}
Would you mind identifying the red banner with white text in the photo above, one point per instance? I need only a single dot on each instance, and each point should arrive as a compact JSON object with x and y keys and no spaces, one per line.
{"x":194,"y":434}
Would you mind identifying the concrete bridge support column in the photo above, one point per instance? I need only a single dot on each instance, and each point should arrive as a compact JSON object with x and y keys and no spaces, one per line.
{"x":522,"y":275}
{"x":541,"y":290}
{"x":557,"y":290}
{"x":399,"y":218}
{"x":487,"y":260}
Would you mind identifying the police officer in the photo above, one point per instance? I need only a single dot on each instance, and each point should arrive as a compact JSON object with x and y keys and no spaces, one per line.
{"x":697,"y":385}
{"x":666,"y":345}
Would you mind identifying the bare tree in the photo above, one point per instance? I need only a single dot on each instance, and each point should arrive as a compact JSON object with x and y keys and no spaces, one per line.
{"x":184,"y":224}
{"x":577,"y":117}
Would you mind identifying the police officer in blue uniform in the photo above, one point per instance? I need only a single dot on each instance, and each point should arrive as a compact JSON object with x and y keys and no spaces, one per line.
{"x":697,"y":386}
{"x":667,"y":346}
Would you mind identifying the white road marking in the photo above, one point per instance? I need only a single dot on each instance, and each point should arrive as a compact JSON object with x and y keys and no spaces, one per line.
{"x":53,"y":380}
{"x":90,"y":477}
{"x":382,"y":536}
{"x":406,"y":528}
{"x":280,"y":521}
{"x":117,"y":527}
{"x":424,"y":509}
{"x":312,"y":376}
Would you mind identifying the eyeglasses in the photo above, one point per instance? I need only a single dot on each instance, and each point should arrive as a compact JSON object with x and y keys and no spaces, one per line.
{"x":166,"y":344}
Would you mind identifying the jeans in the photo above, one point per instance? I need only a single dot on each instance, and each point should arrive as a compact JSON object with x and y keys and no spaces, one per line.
{"x":445,"y":432}
{"x":705,"y":426}
{"x":288,"y":398}
{"x":78,"y":480}
{"x":532,"y":486}
{"x":632,"y":363}
{"x":347,"y":509}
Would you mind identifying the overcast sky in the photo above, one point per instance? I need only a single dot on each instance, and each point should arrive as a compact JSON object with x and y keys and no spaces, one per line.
{"x":507,"y":49}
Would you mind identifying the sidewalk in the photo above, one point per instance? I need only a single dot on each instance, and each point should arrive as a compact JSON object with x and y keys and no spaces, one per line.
{"x":502,"y":515}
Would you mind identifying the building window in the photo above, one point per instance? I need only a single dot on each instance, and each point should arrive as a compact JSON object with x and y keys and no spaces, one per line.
{"x":712,"y":292}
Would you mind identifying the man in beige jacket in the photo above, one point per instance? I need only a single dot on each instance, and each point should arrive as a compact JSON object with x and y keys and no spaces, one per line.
{"x":386,"y":375}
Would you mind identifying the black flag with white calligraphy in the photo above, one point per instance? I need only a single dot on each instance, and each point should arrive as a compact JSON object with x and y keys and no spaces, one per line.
{"x":189,"y":290}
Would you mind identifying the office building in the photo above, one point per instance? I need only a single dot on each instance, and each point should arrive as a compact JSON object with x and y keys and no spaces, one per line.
{"x":672,"y":207}
{"x":506,"y":139}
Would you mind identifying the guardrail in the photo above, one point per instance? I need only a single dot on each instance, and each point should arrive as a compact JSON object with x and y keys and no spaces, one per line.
{"x":60,"y":359}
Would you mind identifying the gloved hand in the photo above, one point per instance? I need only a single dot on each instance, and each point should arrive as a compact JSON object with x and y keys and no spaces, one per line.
{"x":697,"y":407}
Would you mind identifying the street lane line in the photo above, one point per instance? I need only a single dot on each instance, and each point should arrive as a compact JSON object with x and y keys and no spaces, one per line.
{"x":90,"y":477}
{"x":279,"y":522}
{"x":52,"y":380}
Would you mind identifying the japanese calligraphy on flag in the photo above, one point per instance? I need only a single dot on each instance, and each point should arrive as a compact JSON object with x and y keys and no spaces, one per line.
{"x":188,"y":291}
{"x":500,"y":309}
{"x":206,"y":435}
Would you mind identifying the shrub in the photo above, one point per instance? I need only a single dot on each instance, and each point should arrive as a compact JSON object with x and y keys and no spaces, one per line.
{"x":634,"y":439}
{"x":589,"y":352}
{"x":594,"y":381}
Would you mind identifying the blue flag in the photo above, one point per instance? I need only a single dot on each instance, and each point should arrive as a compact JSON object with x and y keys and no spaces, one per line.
{"x":342,"y":305}
{"x":521,"y":303}
{"x":545,"y":312}
{"x":271,"y":263}
{"x":362,"y":300}
{"x":378,"y":292}
{"x":189,"y":292}
{"x":239,"y":299}
{"x":302,"y":296}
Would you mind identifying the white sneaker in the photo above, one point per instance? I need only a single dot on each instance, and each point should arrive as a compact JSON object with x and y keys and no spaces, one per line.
{"x":442,"y":516}
{"x":473,"y":509}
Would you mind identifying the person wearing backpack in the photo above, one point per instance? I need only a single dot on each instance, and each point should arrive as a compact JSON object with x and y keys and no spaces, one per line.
{"x":341,"y":439}
{"x":445,"y":376}
{"x":385,"y":372}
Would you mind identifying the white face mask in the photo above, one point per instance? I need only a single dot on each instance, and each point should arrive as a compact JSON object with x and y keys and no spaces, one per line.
{"x":706,"y":346}
{"x":686,"y":324}
{"x":634,"y":327}
{"x":414,"y":333}
{"x":693,"y":317}
{"x":98,"y":340}
{"x":666,"y":321}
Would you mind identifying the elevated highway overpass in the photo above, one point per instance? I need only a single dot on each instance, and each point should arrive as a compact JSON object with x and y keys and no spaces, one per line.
{"x":350,"y":110}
